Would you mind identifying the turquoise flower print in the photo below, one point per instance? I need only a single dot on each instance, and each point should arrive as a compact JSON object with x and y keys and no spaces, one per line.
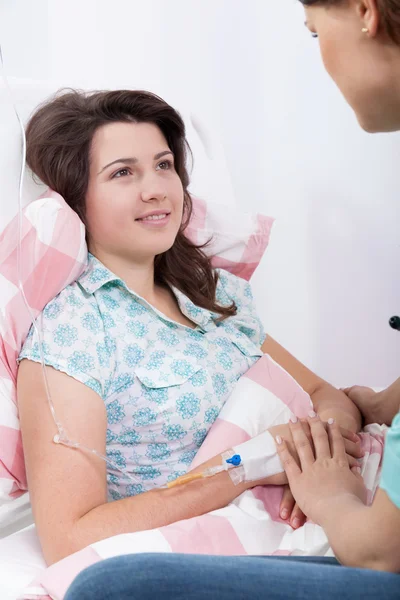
{"x":224,"y":343}
{"x":199,"y":436}
{"x":173,"y":433}
{"x":115,"y":495}
{"x":91,"y":322}
{"x":187,"y":457}
{"x":199,"y":379}
{"x":158,"y":451}
{"x":129,"y":438}
{"x":65,"y":335}
{"x":156,"y":360}
{"x":138,"y":329}
{"x":98,"y":275}
{"x":183,"y":368}
{"x":147,"y":472}
{"x":248,"y":292}
{"x":115,"y":412}
{"x":168,"y":337}
{"x":134,"y":309}
{"x":195,"y":350}
{"x":122,"y":382}
{"x":52,"y":310}
{"x":211,"y":414}
{"x":225,"y":360}
{"x":103,"y":355}
{"x":133,"y":354}
{"x":159,"y":396}
{"x":74,"y":300}
{"x":80,"y":362}
{"x":108,"y":321}
{"x":192,"y":310}
{"x":105,"y":351}
{"x":144,"y":417}
{"x":219,"y":384}
{"x":134,"y":489}
{"x":35,"y":352}
{"x":113,"y":479}
{"x":116,"y":457}
{"x":188,"y":406}
{"x":196,"y":336}
{"x":110,"y":302}
{"x":110,"y":437}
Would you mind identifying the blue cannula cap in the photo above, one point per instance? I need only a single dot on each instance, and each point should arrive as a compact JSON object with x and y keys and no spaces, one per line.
{"x":235,"y":460}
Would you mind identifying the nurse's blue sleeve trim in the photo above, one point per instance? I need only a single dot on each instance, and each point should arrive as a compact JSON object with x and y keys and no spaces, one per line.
{"x":390,"y":479}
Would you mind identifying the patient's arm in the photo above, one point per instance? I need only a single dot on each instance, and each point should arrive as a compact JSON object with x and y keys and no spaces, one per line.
{"x":327,"y":400}
{"x":68,"y":487}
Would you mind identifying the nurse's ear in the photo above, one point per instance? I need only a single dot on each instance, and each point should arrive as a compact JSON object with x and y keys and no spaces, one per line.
{"x":370,"y":17}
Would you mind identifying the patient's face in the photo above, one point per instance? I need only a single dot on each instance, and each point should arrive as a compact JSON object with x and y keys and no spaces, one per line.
{"x":360,"y":65}
{"x":141,"y":180}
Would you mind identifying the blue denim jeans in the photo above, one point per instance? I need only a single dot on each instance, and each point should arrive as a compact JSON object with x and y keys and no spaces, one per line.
{"x":195,"y":577}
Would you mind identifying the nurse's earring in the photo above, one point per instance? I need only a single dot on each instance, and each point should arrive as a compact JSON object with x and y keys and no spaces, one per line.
{"x":365,"y":30}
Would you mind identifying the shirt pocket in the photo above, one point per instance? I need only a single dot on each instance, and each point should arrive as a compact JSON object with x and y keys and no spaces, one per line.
{"x":167,"y":371}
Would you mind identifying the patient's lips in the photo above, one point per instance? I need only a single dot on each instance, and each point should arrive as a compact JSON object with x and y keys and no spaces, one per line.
{"x":154,"y":218}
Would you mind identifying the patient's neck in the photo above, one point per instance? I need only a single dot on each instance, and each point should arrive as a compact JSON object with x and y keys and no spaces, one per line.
{"x":138,"y":275}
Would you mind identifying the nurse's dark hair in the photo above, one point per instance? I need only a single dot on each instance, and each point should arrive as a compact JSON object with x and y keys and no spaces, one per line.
{"x":59,"y":137}
{"x":389,"y":11}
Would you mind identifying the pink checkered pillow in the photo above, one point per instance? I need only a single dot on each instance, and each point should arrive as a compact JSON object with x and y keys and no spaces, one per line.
{"x":53,"y":255}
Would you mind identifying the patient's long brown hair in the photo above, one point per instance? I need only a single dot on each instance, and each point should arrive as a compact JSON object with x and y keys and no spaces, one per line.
{"x":59,"y":137}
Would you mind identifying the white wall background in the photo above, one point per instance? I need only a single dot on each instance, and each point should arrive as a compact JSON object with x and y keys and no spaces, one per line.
{"x":330,"y":280}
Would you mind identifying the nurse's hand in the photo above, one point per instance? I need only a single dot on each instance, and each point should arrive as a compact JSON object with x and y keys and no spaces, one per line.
{"x":351,"y":440}
{"x":367,"y":402}
{"x":323,"y":475}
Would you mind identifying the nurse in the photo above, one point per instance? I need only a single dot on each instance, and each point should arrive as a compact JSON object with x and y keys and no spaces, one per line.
{"x":360,"y":47}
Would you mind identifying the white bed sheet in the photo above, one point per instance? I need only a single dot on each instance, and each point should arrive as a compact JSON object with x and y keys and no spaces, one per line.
{"x":21,"y":560}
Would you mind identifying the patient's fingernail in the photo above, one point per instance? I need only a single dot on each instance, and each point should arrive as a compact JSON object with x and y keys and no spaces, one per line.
{"x":284,"y":514}
{"x":331,"y":421}
{"x":312,"y":414}
{"x":296,"y":523}
{"x":293,"y":419}
{"x":278,"y":439}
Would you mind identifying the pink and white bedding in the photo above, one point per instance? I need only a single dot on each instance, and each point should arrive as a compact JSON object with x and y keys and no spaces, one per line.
{"x":53,"y":255}
{"x":251,"y":525}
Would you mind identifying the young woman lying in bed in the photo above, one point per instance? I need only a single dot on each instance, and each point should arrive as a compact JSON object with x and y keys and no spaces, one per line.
{"x":145,"y":348}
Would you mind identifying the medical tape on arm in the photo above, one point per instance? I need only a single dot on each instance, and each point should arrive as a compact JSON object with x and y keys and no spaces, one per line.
{"x":259,"y":459}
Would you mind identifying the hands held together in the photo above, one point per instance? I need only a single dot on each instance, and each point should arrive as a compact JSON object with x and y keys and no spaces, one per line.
{"x":320,"y":470}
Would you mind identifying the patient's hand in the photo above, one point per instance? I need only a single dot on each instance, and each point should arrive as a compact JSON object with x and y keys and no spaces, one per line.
{"x":290,"y":511}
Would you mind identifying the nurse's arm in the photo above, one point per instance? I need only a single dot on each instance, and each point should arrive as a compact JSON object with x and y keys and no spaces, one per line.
{"x":328,"y":401}
{"x":362,"y":536}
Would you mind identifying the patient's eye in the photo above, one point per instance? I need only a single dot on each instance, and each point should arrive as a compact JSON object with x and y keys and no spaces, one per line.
{"x":121,"y":173}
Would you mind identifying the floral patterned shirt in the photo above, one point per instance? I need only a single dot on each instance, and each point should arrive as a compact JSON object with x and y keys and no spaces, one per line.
{"x":163,"y":384}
